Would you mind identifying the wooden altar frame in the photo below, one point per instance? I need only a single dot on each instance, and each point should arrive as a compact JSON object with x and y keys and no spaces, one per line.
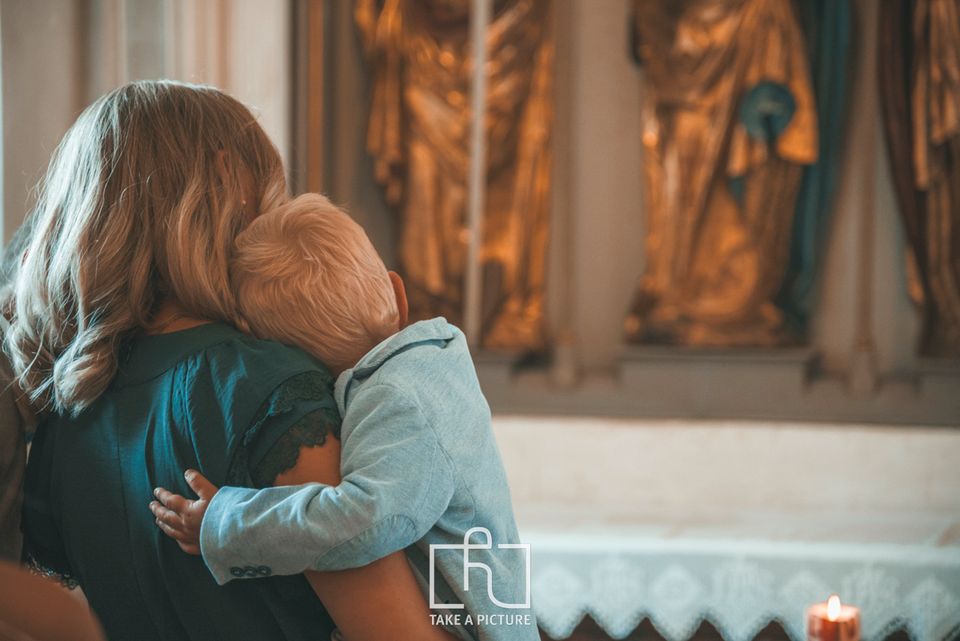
{"x":307,"y":132}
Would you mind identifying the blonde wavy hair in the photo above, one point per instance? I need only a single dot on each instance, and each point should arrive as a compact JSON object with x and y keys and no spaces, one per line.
{"x":306,"y":274}
{"x":142,"y":202}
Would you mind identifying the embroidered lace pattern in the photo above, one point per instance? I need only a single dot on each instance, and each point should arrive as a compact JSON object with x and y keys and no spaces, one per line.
{"x":65,"y":579}
{"x":310,"y":430}
{"x":740,"y":587}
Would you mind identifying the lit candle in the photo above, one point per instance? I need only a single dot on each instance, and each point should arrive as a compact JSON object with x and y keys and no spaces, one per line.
{"x":833,"y":621}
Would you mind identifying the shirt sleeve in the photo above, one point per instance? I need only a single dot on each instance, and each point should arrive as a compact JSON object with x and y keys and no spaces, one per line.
{"x":43,"y":547}
{"x":13,"y":461}
{"x":397,"y":481}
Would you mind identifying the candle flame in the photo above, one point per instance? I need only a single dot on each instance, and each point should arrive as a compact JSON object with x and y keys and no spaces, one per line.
{"x":833,"y":607}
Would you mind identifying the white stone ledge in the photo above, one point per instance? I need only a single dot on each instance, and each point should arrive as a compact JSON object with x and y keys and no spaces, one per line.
{"x":737,"y":523}
{"x":729,"y":467}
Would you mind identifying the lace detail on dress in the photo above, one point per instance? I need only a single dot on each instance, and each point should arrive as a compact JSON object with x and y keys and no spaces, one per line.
{"x":64,"y":579}
{"x":310,"y":430}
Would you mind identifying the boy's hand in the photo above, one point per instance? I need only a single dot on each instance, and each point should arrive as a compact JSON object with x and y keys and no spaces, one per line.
{"x":180,"y":518}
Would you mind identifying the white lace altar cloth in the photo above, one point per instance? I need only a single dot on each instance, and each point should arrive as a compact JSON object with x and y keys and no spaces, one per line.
{"x":742,"y":572}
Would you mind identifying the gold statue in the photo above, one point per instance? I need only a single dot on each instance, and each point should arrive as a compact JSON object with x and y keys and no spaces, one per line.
{"x":729,"y":120}
{"x":920,"y":94}
{"x":419,"y":132}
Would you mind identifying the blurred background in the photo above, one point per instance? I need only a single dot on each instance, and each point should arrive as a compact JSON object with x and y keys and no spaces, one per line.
{"x":707,"y":253}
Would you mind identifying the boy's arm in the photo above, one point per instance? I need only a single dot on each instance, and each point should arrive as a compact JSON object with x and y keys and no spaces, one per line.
{"x":397,"y":482}
{"x":378,"y":601}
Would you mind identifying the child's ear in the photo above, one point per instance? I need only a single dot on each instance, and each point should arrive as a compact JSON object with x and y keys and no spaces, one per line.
{"x":403,"y":308}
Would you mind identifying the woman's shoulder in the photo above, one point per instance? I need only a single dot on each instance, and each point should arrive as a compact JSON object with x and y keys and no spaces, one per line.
{"x":211,"y":350}
{"x":228,"y":381}
{"x":268,"y":397}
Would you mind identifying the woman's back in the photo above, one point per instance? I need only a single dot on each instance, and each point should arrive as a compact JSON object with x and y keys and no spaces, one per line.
{"x":207,"y":398}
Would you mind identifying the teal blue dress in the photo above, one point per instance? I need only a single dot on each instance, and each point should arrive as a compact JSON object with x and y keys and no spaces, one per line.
{"x":209,"y":398}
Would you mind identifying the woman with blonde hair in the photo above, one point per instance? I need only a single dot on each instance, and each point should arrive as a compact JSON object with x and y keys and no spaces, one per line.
{"x":122,"y":336}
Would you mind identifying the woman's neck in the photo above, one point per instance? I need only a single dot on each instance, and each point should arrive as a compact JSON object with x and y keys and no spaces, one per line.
{"x":171,"y":317}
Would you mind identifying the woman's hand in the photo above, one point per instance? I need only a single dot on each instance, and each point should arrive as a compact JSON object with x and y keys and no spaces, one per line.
{"x":179,"y":517}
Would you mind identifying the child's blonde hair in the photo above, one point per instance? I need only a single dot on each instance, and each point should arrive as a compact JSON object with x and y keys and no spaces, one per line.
{"x":306,"y":274}
{"x":142,"y":201}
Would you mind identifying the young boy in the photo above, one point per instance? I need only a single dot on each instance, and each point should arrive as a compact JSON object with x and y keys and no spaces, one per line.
{"x":419,"y":464}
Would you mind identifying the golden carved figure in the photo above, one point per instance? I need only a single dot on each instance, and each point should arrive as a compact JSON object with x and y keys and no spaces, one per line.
{"x":729,"y":122}
{"x":920,"y":94}
{"x":419,"y":132}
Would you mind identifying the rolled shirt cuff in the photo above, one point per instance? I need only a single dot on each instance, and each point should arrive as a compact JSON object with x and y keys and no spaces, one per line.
{"x":214,"y":530}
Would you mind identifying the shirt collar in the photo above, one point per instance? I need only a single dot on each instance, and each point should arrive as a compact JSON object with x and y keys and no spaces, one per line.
{"x":436,"y":329}
{"x":146,"y":356}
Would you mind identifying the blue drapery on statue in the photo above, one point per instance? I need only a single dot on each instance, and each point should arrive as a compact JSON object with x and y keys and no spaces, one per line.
{"x":827,"y":27}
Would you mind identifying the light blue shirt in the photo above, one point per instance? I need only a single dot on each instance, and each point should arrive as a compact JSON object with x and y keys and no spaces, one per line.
{"x":420,"y":472}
